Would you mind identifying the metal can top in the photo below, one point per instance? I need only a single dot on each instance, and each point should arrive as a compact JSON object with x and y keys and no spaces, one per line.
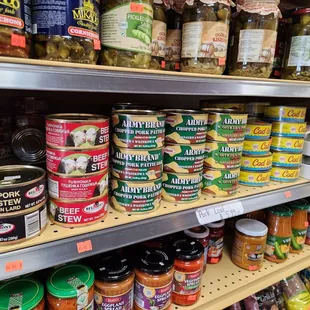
{"x":182,"y":111}
{"x":223,"y":111}
{"x":76,"y":117}
{"x":139,"y":112}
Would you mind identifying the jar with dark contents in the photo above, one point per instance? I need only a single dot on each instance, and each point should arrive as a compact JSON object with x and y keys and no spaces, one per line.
{"x":216,"y":242}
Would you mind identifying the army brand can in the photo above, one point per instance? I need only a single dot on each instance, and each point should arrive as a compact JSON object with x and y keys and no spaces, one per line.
{"x":184,"y":158}
{"x":138,"y":129}
{"x":181,"y":188}
{"x":284,"y":174}
{"x":136,"y":165}
{"x":287,"y":144}
{"x":256,"y":162}
{"x":257,"y":130}
{"x":286,"y":159}
{"x":285,"y":114}
{"x":284,"y":129}
{"x":135,"y":197}
{"x":220,"y":182}
{"x":221,"y":155}
{"x":256,"y":147}
{"x":254,"y":178}
{"x":185,"y":126}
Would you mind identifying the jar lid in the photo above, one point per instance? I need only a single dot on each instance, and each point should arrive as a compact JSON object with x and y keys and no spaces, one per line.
{"x":300,"y":204}
{"x":251,"y":228}
{"x":281,"y":210}
{"x":154,"y":261}
{"x":218,"y":224}
{"x":186,"y":249}
{"x":199,"y":232}
{"x":66,"y":281}
{"x":302,"y":11}
{"x":23,"y":294}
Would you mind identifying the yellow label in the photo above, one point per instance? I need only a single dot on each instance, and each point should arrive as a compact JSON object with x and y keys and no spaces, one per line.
{"x":286,"y":113}
{"x":256,"y":163}
{"x":284,"y":174}
{"x":258,"y":130}
{"x":252,"y":177}
{"x":288,"y":129}
{"x":286,"y":159}
{"x":256,"y":147}
{"x":287,"y":144}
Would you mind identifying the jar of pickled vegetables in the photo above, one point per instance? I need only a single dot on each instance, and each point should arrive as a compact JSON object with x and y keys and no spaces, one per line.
{"x":254,"y":36}
{"x":205,"y":36}
{"x":66,"y":30}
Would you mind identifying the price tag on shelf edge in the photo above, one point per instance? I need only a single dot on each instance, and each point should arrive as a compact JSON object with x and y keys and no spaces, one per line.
{"x":212,"y":214}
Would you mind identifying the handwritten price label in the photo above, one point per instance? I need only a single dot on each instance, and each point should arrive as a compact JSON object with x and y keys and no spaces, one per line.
{"x":84,"y":246}
{"x":14,"y":266}
{"x":136,"y":7}
{"x":288,"y":194}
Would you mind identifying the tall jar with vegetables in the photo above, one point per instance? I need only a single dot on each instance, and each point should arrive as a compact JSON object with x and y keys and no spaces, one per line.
{"x":254,"y":36}
{"x":205,"y":36}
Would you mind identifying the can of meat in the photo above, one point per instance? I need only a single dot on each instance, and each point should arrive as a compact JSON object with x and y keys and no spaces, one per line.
{"x":138,"y":129}
{"x":284,"y":129}
{"x":77,"y":162}
{"x":254,"y":178}
{"x":135,"y":197}
{"x":286,"y":159}
{"x":285,"y":114}
{"x":256,"y":147}
{"x":287,"y":144}
{"x":257,"y":130}
{"x":256,"y":162}
{"x":284,"y":174}
{"x":184,"y":158}
{"x":221,"y":155}
{"x":223,"y":104}
{"x":71,"y":213}
{"x":181,"y":188}
{"x":5,"y":151}
{"x":185,"y":126}
{"x":23,"y":225}
{"x":78,"y":187}
{"x":220,"y":182}
{"x":21,"y":188}
{"x":136,"y":165}
{"x":76,"y":130}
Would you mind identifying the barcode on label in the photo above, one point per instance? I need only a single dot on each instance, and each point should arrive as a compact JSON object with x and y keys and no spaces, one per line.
{"x":53,"y":188}
{"x":32,"y":223}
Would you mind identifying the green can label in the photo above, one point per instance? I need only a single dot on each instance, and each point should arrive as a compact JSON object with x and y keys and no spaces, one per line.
{"x":277,"y":247}
{"x":137,"y":165}
{"x":298,"y":239}
{"x":184,"y":158}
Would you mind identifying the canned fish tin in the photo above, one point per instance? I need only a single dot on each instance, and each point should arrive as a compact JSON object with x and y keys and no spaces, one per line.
{"x":257,"y":130}
{"x":185,"y":126}
{"x":256,"y":147}
{"x":184,"y":158}
{"x":78,"y":187}
{"x":221,"y":155}
{"x":256,"y":162}
{"x":76,"y":130}
{"x":254,"y":178}
{"x":138,"y":129}
{"x":78,"y":213}
{"x":284,"y":129}
{"x":77,"y":162}
{"x":285,"y":114}
{"x":287,"y":144}
{"x":21,"y":188}
{"x":284,"y":174}
{"x":181,"y":188}
{"x":135,"y":197}
{"x":220,"y":182}
{"x":136,"y":165}
{"x":286,"y":159}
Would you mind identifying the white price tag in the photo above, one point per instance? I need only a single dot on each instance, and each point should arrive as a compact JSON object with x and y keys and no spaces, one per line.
{"x":213,"y":214}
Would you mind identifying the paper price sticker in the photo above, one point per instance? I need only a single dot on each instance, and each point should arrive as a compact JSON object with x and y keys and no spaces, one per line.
{"x":84,"y":246}
{"x":212,"y":214}
{"x":288,"y":194}
{"x":14,"y":266}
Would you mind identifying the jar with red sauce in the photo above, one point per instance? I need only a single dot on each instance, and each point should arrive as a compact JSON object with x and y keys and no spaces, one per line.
{"x":188,"y":265}
{"x":216,"y":241}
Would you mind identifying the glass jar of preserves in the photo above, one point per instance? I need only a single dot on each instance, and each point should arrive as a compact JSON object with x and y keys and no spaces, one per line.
{"x":126,"y":43}
{"x":70,"y":287}
{"x":66,"y":30}
{"x":216,"y":242}
{"x":188,"y":264}
{"x":279,"y":223}
{"x":205,"y":36}
{"x":254,"y":36}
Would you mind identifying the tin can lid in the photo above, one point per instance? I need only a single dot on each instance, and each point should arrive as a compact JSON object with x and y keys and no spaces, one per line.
{"x":218,"y":224}
{"x":182,"y":111}
{"x":251,"y":228}
{"x":199,"y":232}
{"x":300,"y":204}
{"x":187,"y":249}
{"x":281,"y":210}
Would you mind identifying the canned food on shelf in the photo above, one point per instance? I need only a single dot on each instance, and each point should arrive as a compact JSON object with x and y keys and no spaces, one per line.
{"x":256,"y":162}
{"x":256,"y":147}
{"x":287,"y":144}
{"x":285,"y":114}
{"x":286,"y":159}
{"x":258,"y":130}
{"x":284,"y":174}
{"x":254,"y":178}
{"x":285,"y":129}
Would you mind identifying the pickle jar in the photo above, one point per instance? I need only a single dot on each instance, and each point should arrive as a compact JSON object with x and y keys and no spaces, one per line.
{"x":205,"y":36}
{"x":253,"y":38}
{"x":127,"y":43}
{"x":66,"y":31}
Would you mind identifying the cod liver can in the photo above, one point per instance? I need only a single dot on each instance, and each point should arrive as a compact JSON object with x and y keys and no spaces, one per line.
{"x":254,"y":178}
{"x":136,"y":165}
{"x":181,"y":188}
{"x":221,"y":155}
{"x":287,"y":144}
{"x":185,"y":126}
{"x":284,"y":174}
{"x":220,"y":182}
{"x":286,"y":159}
{"x":285,"y":114}
{"x":184,"y":158}
{"x":256,"y":147}
{"x":256,"y":162}
{"x":135,"y":197}
{"x":138,"y":129}
{"x":285,"y":129}
{"x":76,"y":130}
{"x":77,"y":162}
{"x":257,"y":130}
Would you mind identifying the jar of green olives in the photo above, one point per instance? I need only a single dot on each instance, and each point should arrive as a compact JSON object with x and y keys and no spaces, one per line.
{"x":254,"y":36}
{"x":205,"y":36}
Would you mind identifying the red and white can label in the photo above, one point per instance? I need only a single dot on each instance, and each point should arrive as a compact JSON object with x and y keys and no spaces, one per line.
{"x":77,"y":162}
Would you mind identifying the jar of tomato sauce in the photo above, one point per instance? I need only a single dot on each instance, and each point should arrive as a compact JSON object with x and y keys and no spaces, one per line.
{"x":216,"y":241}
{"x":279,"y":223}
{"x":308,"y":230}
{"x":188,"y":265}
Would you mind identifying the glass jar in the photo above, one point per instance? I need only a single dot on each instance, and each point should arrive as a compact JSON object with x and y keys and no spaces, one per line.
{"x":205,"y":36}
{"x":253,"y":38}
{"x":216,"y":241}
{"x":188,"y":264}
{"x":126,"y":44}
{"x":70,"y":287}
{"x":66,"y":30}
